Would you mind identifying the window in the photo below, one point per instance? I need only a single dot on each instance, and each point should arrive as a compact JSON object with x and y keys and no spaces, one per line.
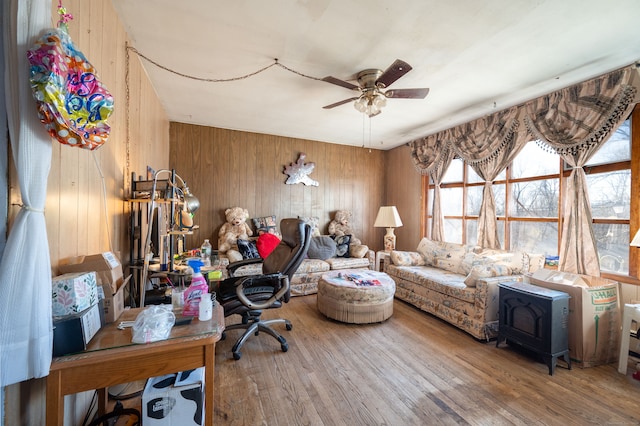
{"x":529,"y":196}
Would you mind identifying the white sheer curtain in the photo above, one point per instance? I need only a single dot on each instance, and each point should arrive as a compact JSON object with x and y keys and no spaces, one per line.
{"x":25,"y":268}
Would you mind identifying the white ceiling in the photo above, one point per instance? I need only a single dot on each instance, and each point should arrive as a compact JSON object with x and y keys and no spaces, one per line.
{"x":476,"y":56}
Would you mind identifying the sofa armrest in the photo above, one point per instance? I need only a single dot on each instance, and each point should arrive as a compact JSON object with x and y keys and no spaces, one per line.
{"x":487,"y":296}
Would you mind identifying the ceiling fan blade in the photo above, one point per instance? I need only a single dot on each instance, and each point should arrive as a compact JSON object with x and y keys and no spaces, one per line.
{"x":341,"y":83}
{"x":394,"y":72}
{"x":407,"y":93}
{"x":339,"y":103}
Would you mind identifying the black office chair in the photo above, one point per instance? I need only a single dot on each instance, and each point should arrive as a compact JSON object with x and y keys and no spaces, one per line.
{"x":248,"y":296}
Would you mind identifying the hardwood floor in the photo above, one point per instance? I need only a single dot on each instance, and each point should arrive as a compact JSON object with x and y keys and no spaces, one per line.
{"x":413,"y":369}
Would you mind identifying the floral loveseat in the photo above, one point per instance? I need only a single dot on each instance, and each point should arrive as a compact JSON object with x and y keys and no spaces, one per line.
{"x":458,"y":283}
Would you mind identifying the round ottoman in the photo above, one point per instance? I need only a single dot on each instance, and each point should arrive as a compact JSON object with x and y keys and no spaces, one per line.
{"x":356,"y":296}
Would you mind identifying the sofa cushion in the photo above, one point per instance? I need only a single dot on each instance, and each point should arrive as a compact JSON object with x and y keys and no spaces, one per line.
{"x":428,"y":249}
{"x":485,"y":271}
{"x":309,"y":266}
{"x":358,"y":250}
{"x":348,"y":262}
{"x":407,"y":258}
{"x":313,"y":222}
{"x":322,"y":247}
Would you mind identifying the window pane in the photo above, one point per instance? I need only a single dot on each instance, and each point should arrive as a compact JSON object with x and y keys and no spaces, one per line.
{"x":499,"y":195}
{"x":613,"y":246}
{"x":534,"y":237}
{"x":610,"y":194}
{"x":535,"y":198}
{"x":534,"y":161}
{"x":617,"y":148}
{"x":472,"y":176}
{"x":453,"y":230}
{"x":472,"y":232}
{"x":474,"y":199}
{"x":430,"y":202}
{"x":454,"y":172}
{"x":451,"y":201}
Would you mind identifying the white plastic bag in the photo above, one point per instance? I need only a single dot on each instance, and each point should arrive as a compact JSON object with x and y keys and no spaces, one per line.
{"x":153,"y":324}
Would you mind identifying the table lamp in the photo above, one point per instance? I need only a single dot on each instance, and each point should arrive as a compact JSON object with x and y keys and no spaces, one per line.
{"x":389,"y":218}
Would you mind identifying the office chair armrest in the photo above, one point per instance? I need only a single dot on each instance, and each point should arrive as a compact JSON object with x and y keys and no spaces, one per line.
{"x":231,"y":268}
{"x":247,"y":282}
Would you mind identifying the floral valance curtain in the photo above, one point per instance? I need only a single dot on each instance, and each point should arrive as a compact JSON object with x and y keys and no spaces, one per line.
{"x":574,"y":122}
{"x":489,"y":144}
{"x":432,"y":156}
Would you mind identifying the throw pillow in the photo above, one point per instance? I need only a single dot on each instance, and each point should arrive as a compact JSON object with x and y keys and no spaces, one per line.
{"x":358,"y":250}
{"x":266,"y":224}
{"x":485,"y":271}
{"x":406,"y":258}
{"x":342,"y":243}
{"x":322,"y":247}
{"x":427,"y":249}
{"x":266,"y":244}
{"x":313,"y":222}
{"x":248,"y":249}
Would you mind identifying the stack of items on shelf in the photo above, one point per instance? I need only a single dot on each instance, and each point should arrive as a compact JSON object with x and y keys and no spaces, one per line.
{"x":88,"y":294}
{"x":77,"y":316}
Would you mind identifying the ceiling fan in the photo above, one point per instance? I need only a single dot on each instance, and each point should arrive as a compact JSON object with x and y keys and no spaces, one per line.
{"x":371,"y":85}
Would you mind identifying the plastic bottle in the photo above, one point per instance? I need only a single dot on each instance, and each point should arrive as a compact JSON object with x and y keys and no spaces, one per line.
{"x":194,"y":292}
{"x":205,"y":253}
{"x":205,"y":309}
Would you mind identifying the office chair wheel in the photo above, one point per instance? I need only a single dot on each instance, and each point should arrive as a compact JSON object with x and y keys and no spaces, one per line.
{"x":289,"y":326}
{"x":284,"y":347}
{"x":237,"y":355}
{"x":223,"y":336}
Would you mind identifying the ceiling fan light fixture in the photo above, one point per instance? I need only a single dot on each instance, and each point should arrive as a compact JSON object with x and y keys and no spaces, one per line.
{"x":370,"y":103}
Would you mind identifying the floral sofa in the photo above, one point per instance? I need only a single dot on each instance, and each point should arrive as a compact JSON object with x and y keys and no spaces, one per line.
{"x":458,"y":283}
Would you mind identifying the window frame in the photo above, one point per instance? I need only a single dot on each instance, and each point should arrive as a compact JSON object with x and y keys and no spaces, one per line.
{"x":563,"y":172}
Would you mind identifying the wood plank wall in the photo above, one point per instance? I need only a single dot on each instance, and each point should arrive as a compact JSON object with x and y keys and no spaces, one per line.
{"x":80,"y":218}
{"x":404,"y":190}
{"x":227,"y":168}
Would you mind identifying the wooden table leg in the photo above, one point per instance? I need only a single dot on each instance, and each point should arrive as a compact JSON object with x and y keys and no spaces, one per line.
{"x":55,"y":400}
{"x":209,"y":367}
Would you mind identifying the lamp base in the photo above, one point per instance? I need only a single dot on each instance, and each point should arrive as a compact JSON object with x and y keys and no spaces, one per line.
{"x":389,"y":240}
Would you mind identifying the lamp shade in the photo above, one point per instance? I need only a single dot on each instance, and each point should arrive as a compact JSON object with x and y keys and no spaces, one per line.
{"x":388,"y":217}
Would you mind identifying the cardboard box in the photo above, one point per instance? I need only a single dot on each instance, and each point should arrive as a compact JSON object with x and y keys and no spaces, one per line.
{"x":73,"y":292}
{"x":72,"y":333}
{"x":174,"y":399}
{"x":114,"y":303}
{"x":106,"y":265}
{"x":594,"y":315}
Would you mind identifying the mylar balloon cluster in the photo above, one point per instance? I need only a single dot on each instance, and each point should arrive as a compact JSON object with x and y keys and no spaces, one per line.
{"x":72,"y":103}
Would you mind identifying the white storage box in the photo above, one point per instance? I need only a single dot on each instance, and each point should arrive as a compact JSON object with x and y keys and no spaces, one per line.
{"x":174,"y":399}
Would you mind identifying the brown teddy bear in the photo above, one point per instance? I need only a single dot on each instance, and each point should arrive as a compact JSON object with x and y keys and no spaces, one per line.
{"x":234,"y":229}
{"x":339,"y":226}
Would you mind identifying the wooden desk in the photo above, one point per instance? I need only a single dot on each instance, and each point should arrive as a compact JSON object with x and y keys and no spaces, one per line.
{"x":111,"y":358}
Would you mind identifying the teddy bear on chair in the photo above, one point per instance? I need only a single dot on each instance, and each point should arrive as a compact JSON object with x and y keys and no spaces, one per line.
{"x":234,"y":229}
